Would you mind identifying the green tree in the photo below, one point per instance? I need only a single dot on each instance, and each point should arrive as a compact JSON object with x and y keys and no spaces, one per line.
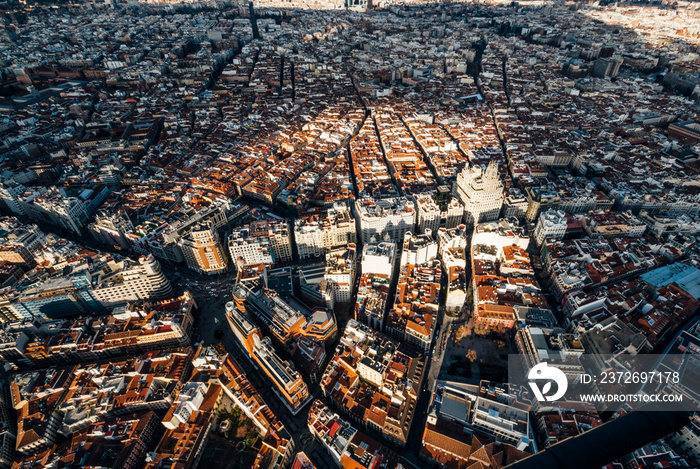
{"x":249,"y":440}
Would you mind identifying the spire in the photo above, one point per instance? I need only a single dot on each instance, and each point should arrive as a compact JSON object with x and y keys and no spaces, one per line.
{"x":491,"y":171}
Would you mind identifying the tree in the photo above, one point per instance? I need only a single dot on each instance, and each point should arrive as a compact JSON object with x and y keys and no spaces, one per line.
{"x":249,"y":440}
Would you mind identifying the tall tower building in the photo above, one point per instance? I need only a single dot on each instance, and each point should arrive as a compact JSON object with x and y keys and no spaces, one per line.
{"x":481,"y":193}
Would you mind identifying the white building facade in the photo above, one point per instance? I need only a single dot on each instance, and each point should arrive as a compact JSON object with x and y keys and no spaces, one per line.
{"x":481,"y":193}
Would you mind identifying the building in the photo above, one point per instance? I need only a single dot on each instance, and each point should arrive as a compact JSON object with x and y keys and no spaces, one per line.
{"x":603,"y":224}
{"x":21,"y":240}
{"x":413,"y":318}
{"x":453,"y":250}
{"x":318,"y":231}
{"x":480,"y":192}
{"x":515,"y":203}
{"x":372,"y":300}
{"x":687,"y":440}
{"x":373,"y":383}
{"x":340,"y":274}
{"x":346,"y":446}
{"x":537,"y":345}
{"x":437,"y":210}
{"x":663,"y":224}
{"x":687,"y":130}
{"x":418,"y":249}
{"x":248,"y":247}
{"x":482,"y":409}
{"x":263,"y":242}
{"x":562,"y":420}
{"x":10,"y":193}
{"x":112,"y":229}
{"x":540,"y":199}
{"x":127,"y":281}
{"x":106,"y":284}
{"x":302,"y":461}
{"x":66,"y":212}
{"x":187,"y":423}
{"x":17,"y":255}
{"x":314,"y":290}
{"x":283,"y":321}
{"x":551,"y":224}
{"x":379,"y":259}
{"x":202,"y":249}
{"x":607,"y":67}
{"x":383,"y":218}
{"x":288,"y":384}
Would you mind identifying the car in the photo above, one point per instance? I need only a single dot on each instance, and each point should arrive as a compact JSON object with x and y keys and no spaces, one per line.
{"x":218,"y":334}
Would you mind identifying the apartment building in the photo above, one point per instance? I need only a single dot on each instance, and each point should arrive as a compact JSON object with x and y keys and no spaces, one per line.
{"x":10,"y":193}
{"x":112,"y":229}
{"x":664,"y":223}
{"x":551,"y":224}
{"x":107,"y":284}
{"x":372,"y":300}
{"x":384,"y":218}
{"x":69,"y":213}
{"x":263,"y":242}
{"x":318,"y":231}
{"x":437,"y":210}
{"x":485,"y":409}
{"x":121,"y":282}
{"x":282,"y":320}
{"x":379,"y":259}
{"x":345,"y":445}
{"x":453,"y":250}
{"x":383,"y":383}
{"x":340,"y":274}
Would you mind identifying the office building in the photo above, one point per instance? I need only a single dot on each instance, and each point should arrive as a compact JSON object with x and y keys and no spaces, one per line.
{"x":202,"y":249}
{"x":480,"y":192}
{"x":288,"y":383}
